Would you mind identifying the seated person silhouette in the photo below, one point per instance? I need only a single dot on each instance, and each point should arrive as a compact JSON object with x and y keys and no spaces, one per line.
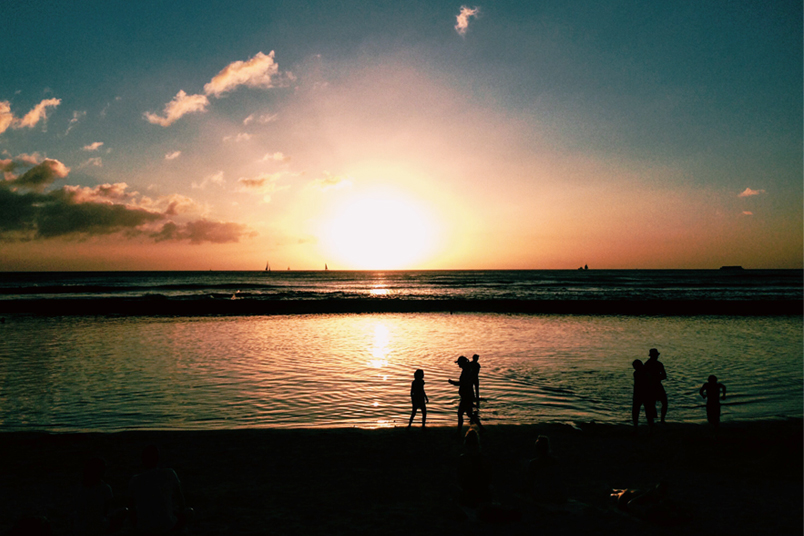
{"x":156,"y":499}
{"x":93,"y":502}
{"x":544,"y":475}
{"x":650,"y":504}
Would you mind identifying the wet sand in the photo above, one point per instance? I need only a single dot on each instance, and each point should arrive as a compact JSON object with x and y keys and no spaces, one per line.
{"x":748,"y":480}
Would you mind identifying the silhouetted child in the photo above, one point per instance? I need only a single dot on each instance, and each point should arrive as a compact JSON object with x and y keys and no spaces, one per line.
{"x":156,"y":498}
{"x":643,"y":395}
{"x":418,"y":397}
{"x":545,"y":480}
{"x":710,"y":391}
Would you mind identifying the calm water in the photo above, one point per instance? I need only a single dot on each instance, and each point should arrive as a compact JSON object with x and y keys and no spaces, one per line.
{"x":70,"y":373}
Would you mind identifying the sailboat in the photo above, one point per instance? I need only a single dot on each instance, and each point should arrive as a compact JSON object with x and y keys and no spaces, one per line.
{"x":267,"y":266}
{"x":326,"y":267}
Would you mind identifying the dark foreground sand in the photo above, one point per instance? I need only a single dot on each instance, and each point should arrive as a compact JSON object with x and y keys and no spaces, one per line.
{"x":397,"y":481}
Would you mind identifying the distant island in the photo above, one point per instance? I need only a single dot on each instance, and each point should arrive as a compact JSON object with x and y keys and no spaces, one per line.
{"x":731,"y":268}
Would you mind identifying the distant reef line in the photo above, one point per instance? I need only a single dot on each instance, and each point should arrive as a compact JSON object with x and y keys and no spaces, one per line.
{"x":243,"y":307}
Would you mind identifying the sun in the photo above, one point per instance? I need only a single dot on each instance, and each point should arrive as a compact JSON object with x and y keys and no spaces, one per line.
{"x":379,"y":230}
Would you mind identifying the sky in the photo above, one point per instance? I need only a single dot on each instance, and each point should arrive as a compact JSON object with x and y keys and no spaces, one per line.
{"x":401,"y":135}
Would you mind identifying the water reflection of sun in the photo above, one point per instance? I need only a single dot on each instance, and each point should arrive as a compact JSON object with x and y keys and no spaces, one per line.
{"x":379,"y":348}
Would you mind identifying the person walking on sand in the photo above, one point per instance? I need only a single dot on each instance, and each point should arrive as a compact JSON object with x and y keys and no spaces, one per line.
{"x":467,"y":394}
{"x":711,"y":391}
{"x":418,"y":397}
{"x":643,"y":396}
{"x":657,"y":374}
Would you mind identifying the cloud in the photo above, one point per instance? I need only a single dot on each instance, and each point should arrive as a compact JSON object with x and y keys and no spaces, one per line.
{"x":200,"y":231}
{"x":40,"y":176}
{"x":747,"y":213}
{"x":181,"y":105}
{"x":276,"y":157}
{"x":77,"y":116}
{"x":748,"y":192}
{"x":462,"y":24}
{"x":38,"y":113}
{"x":96,"y":161}
{"x":259,"y":71}
{"x":217,"y":179}
{"x":172,"y":156}
{"x":93,"y":146}
{"x":264,"y":184}
{"x":331,"y":182}
{"x":6,"y":117}
{"x":81,"y":212}
{"x":243,"y":136}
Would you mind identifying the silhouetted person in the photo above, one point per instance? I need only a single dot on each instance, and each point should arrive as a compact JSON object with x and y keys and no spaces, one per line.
{"x":711,"y":391}
{"x":156,"y":498}
{"x":652,"y":504}
{"x":31,"y":526}
{"x":545,"y":480}
{"x":657,"y":374}
{"x":418,"y":397}
{"x":474,"y":473}
{"x":643,"y":395}
{"x":93,"y":502}
{"x":476,"y":379}
{"x":467,"y":394}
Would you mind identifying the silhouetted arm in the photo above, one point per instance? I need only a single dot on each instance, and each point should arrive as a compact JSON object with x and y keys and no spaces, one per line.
{"x":453,"y":382}
{"x":703,"y":390}
{"x":723,"y":396}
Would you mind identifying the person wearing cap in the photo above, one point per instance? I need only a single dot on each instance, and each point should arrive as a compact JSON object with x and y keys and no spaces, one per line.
{"x":656,"y":372}
{"x":467,"y":394}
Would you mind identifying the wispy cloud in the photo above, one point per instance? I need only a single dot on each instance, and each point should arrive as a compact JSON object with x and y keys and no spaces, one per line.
{"x":275,"y":157}
{"x":181,"y":105}
{"x":40,"y":176}
{"x":216,"y":179}
{"x":331,"y":182}
{"x":462,"y":24}
{"x":77,"y":116}
{"x":264,"y":184}
{"x":31,"y":119}
{"x":172,"y":156}
{"x":747,"y":213}
{"x":93,"y":146}
{"x":259,"y":71}
{"x":748,"y":192}
{"x":96,"y":161}
{"x":242,"y":136}
{"x":200,"y":231}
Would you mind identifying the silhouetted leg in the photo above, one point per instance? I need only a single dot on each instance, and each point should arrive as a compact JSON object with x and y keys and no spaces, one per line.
{"x":663,"y":400}
{"x":460,"y":419}
{"x":424,"y":415}
{"x":412,"y":415}
{"x":636,"y":405}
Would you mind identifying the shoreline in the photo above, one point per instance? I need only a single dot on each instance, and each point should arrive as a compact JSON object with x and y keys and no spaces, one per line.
{"x":162,"y":306}
{"x":747,"y":480}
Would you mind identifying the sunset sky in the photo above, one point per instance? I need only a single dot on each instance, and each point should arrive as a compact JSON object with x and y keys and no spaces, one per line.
{"x":400,"y":135}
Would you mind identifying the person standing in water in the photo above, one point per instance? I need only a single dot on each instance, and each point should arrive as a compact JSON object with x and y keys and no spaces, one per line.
{"x":476,"y":379}
{"x":711,"y":391}
{"x":643,"y":396}
{"x":655,"y":370}
{"x":467,"y":394}
{"x":418,"y":397}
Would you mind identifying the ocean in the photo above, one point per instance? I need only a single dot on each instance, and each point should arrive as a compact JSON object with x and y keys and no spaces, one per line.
{"x":220,"y":350}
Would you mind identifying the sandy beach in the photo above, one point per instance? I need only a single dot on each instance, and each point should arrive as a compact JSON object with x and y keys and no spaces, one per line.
{"x":747,"y":480}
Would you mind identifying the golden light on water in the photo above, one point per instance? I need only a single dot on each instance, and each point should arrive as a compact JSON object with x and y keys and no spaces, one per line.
{"x":379,"y":348}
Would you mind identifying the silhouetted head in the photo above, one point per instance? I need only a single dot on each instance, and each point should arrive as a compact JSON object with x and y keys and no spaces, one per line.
{"x":150,"y":456}
{"x":653,"y":352}
{"x":94,"y":471}
{"x":475,"y":358}
{"x":637,"y":364}
{"x":542,"y":445}
{"x":712,"y":379}
{"x":462,"y":361}
{"x":472,"y":440}
{"x":419,"y":374}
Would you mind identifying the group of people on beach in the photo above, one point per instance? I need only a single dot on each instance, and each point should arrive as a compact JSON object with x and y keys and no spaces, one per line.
{"x":468,"y":390}
{"x":648,"y":390}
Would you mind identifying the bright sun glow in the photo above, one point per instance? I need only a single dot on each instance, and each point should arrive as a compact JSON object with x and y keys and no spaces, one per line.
{"x":380,"y":230}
